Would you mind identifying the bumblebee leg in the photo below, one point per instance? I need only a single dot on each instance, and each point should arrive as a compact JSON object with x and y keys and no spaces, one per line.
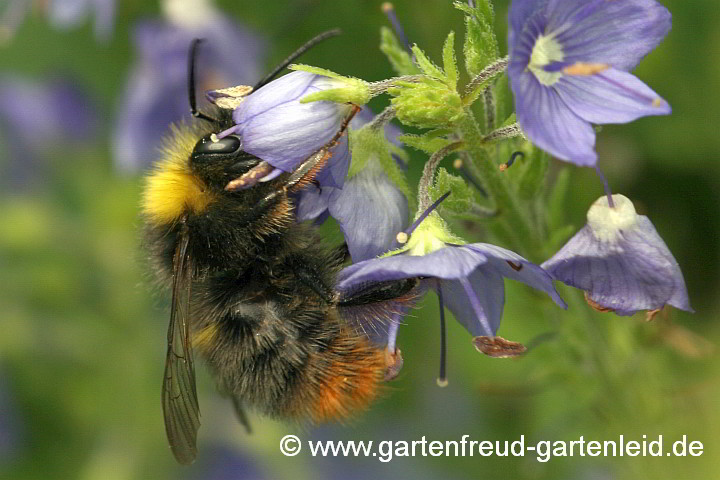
{"x":306,"y":172}
{"x":311,"y":279}
{"x":343,"y":252}
{"x":380,"y":292}
{"x":241,"y":415}
{"x":300,"y":177}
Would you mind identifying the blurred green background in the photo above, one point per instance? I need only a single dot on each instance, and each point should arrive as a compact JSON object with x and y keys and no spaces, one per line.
{"x":82,"y":332}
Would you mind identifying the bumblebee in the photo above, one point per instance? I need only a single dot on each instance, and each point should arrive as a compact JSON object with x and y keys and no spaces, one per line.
{"x":252,"y":289}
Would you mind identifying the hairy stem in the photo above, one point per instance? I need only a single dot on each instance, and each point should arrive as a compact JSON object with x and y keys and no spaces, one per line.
{"x":510,"y":209}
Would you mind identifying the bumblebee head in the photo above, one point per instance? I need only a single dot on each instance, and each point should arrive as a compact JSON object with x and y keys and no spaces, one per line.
{"x":219,"y":162}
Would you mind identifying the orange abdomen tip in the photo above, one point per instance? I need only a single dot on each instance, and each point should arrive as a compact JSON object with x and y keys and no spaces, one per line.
{"x":351,"y":383}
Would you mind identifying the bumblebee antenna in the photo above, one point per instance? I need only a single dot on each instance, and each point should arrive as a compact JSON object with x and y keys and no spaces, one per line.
{"x":192,"y":54}
{"x":307,"y":46}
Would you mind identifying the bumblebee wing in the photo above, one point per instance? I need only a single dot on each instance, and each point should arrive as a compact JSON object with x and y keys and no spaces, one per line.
{"x":179,"y":396}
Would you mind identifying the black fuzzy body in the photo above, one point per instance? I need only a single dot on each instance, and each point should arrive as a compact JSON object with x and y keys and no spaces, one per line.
{"x":262,"y":311}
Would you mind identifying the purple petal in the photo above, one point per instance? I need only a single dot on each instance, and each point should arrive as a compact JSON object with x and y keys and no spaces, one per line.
{"x":148,"y":109}
{"x":37,"y":118}
{"x":478,"y":308}
{"x":447,"y":263}
{"x":521,"y":269}
{"x":370,"y":211}
{"x":549,"y":123}
{"x":611,"y":96}
{"x":276,"y":127}
{"x":521,"y":12}
{"x":619,"y":33}
{"x":333,"y":174}
{"x":287,"y":88}
{"x":312,"y":202}
{"x":634,"y":272}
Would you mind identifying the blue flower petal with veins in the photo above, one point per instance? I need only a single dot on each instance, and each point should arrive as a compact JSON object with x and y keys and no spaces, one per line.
{"x":568,"y":68}
{"x":619,"y":259}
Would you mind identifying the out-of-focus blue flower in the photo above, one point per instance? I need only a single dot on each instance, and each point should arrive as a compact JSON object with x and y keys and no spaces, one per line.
{"x":70,"y":13}
{"x":569,"y":64}
{"x":469,"y":277}
{"x":156,"y":91}
{"x":224,"y":463}
{"x":370,"y":208}
{"x":36,"y":119}
{"x":9,"y":422}
{"x":62,"y":14}
{"x":620,"y":261}
{"x":277,"y":127}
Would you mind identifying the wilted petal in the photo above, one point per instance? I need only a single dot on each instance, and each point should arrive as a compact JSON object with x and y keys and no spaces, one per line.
{"x":621,"y":261}
{"x":611,"y":96}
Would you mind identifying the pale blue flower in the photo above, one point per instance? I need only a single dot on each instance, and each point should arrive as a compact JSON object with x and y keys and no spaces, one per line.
{"x":569,"y":64}
{"x":620,"y":261}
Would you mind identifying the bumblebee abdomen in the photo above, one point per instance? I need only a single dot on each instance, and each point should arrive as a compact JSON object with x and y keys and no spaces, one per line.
{"x":345,"y":379}
{"x":291,"y":359}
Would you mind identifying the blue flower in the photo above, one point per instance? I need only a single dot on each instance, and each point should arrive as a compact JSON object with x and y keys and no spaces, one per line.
{"x":156,"y":91}
{"x":62,"y":14}
{"x":70,"y":13}
{"x":469,"y":277}
{"x":276,"y":127}
{"x":569,"y":64}
{"x":11,"y":431}
{"x":370,"y":208}
{"x":620,"y":261}
{"x":37,"y":118}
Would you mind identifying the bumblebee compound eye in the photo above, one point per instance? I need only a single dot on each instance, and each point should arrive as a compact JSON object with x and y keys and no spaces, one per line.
{"x":224,"y":146}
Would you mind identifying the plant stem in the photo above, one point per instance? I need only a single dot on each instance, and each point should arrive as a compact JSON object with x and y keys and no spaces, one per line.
{"x":510,"y":209}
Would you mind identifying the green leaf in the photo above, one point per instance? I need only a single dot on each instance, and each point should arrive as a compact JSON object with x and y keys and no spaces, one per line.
{"x":350,"y":89}
{"x":396,"y":54}
{"x":427,"y":67}
{"x":481,"y":47}
{"x":509,"y":120}
{"x":461,"y":198}
{"x":427,"y":143}
{"x":449,"y":62}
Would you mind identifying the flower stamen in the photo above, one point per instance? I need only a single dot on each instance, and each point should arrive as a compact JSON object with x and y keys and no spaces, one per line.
{"x":442,"y":378}
{"x":583,"y":69}
{"x":389,"y":10}
{"x":509,"y":163}
{"x":403,"y":237}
